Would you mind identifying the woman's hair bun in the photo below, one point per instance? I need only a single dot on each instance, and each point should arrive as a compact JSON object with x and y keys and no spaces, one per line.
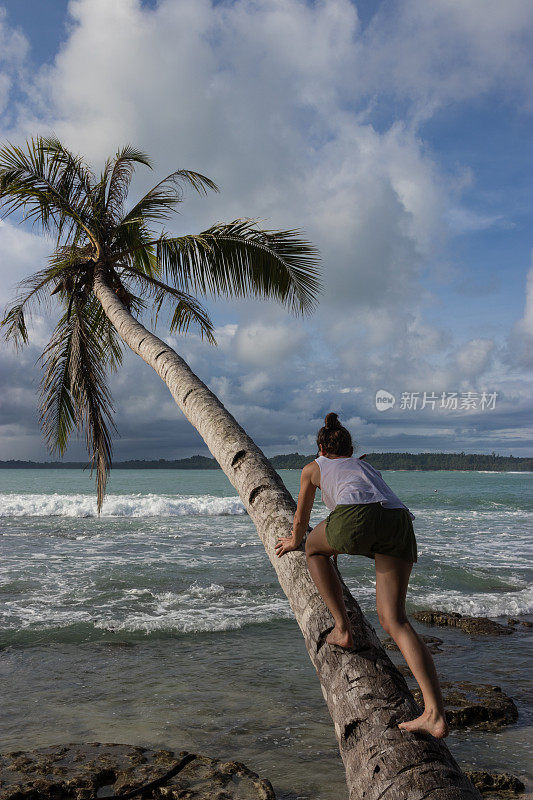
{"x":332,"y":422}
{"x":333,"y":438}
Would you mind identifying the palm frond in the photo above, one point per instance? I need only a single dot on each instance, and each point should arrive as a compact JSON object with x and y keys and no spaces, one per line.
{"x":123,"y":166}
{"x":57,"y":414}
{"x":15,"y":324}
{"x":164,"y":196}
{"x":73,"y":171}
{"x":101,"y":187}
{"x":66,"y":273}
{"x":186,"y":311}
{"x":239,"y":259}
{"x":52,"y":190}
{"x":37,"y":292}
{"x":134,"y":244}
{"x":92,"y":400}
{"x":77,"y":178}
{"x":74,"y":390}
{"x":112,"y":346}
{"x":72,"y":268}
{"x":70,"y":257}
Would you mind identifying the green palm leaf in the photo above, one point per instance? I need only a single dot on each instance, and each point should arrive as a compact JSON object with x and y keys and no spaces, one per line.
{"x":121,"y":173}
{"x":51,"y":190}
{"x":238,"y":259}
{"x":74,"y":390}
{"x":187,"y":310}
{"x":38,"y":293}
{"x":164,"y":196}
{"x":57,"y":414}
{"x":133,"y":244}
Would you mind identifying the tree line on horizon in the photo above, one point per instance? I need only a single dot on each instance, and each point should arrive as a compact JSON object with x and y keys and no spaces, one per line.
{"x":410,"y":461}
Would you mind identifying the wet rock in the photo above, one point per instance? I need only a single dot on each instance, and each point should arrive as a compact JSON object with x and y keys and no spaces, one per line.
{"x":481,"y":706}
{"x":475,"y":626}
{"x":501,"y":783}
{"x":432,"y":642}
{"x":89,"y":770}
{"x":524,"y":622}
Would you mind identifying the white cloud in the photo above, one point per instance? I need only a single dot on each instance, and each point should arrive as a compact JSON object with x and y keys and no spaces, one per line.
{"x":525,"y":325}
{"x":13,"y":50}
{"x":519,"y":347}
{"x":263,"y":344}
{"x":13,"y":44}
{"x":441,"y":52}
{"x":474,"y":357}
{"x":253,"y":384}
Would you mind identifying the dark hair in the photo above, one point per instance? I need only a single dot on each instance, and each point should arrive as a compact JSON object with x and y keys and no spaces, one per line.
{"x":334,"y":438}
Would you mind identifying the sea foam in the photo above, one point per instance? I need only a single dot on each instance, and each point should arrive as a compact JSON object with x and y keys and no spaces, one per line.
{"x":118,"y":505}
{"x":486,"y":604}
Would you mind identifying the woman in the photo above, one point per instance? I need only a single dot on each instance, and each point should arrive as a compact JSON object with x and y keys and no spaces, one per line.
{"x":366,"y":519}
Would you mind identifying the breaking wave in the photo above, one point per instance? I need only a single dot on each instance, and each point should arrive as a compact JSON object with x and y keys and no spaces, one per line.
{"x":118,"y":505}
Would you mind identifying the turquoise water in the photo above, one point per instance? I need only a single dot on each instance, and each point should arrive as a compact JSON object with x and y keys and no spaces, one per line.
{"x":162,"y":623}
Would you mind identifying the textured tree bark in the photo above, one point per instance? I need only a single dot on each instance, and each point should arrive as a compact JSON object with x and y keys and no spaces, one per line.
{"x":365,"y":693}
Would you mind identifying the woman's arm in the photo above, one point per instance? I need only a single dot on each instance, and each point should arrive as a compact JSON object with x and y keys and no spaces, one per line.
{"x":306,"y":498}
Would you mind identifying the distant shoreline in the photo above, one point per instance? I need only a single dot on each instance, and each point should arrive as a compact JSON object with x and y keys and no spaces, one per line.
{"x":474,"y":462}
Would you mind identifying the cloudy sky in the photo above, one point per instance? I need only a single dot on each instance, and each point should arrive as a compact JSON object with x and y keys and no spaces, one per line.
{"x":395,"y":133}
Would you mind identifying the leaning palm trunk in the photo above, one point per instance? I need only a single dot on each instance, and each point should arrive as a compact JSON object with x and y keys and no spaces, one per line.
{"x":365,"y":693}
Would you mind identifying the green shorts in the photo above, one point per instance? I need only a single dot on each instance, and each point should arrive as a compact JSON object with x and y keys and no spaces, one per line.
{"x":364,"y":529}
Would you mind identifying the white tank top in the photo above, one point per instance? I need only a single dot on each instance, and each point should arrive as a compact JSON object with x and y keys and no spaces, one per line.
{"x":351,"y":480}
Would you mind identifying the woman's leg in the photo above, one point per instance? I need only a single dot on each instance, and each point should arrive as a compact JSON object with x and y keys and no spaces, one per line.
{"x":326,"y":579}
{"x":392,"y":578}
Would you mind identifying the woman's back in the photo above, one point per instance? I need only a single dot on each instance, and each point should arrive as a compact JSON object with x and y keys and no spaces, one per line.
{"x":351,"y":480}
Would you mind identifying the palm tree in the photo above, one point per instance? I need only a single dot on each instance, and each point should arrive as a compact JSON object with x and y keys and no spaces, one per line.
{"x":108,"y":263}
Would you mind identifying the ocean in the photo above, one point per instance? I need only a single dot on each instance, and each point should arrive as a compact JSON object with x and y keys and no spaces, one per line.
{"x":161,"y":622}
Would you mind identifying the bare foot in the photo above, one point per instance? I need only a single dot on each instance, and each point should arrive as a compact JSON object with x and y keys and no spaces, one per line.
{"x":431,"y":722}
{"x":340,"y":636}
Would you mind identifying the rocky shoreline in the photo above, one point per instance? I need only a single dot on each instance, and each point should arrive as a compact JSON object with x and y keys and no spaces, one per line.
{"x":474,"y":626}
{"x":82,"y":771}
